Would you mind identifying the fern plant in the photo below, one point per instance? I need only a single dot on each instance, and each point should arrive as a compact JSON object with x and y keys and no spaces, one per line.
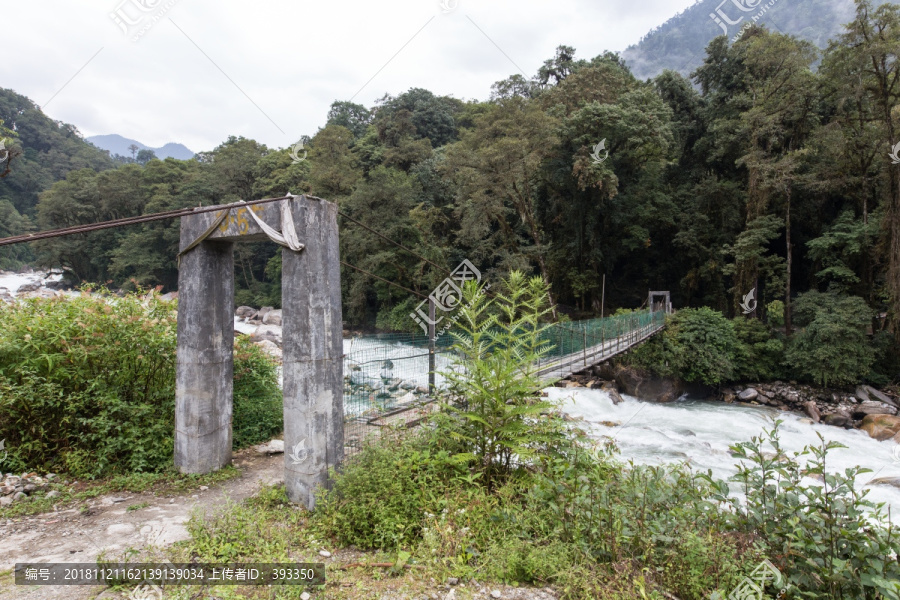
{"x":493,"y":379}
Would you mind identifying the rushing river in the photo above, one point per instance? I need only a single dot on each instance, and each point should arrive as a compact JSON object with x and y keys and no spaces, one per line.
{"x":700,"y":432}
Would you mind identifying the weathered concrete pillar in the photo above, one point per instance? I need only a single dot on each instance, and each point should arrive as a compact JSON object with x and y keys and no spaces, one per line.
{"x":313,"y":351}
{"x":204,"y":379}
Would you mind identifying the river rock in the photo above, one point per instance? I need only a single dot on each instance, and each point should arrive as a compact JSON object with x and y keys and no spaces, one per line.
{"x":872,"y":407}
{"x":881,"y":397}
{"x":892,"y":481}
{"x":406,"y":398}
{"x":360,"y":378}
{"x":748,"y":395}
{"x":881,"y":427}
{"x":5,"y":500}
{"x":273,"y":317}
{"x":813,"y":411}
{"x":604,"y":371}
{"x":644,"y":386}
{"x":261,"y":315}
{"x":245,"y":312}
{"x":271,"y":348}
{"x":838,"y":420}
{"x":28,"y":287}
{"x":267,"y":332}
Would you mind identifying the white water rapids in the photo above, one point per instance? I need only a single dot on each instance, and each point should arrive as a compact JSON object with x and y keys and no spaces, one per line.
{"x":700,"y":433}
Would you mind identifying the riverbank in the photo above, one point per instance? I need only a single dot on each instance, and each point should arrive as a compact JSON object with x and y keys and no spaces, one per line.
{"x":874,"y":411}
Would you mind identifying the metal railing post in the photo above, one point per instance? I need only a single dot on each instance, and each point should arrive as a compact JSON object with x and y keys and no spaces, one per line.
{"x":431,"y":346}
{"x":584,"y":343}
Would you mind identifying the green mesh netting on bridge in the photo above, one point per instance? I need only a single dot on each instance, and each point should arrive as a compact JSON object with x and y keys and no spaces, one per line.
{"x":386,"y":376}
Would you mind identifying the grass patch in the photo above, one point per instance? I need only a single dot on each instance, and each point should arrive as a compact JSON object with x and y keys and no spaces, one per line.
{"x":159,"y":484}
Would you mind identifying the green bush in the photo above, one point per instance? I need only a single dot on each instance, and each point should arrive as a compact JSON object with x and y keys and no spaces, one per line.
{"x":759,"y":356}
{"x":87,"y":385}
{"x":381,"y":497}
{"x":831,"y":348}
{"x":258,"y":405}
{"x":822,"y":537}
{"x":699,"y":345}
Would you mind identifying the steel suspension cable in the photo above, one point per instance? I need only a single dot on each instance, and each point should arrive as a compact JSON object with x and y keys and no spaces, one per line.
{"x":170,"y":214}
{"x":398,"y":244}
{"x":346,"y":264}
{"x":183,"y":212}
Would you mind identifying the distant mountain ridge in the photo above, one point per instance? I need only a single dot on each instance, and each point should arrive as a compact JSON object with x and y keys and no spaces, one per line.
{"x":116,"y":144}
{"x":679,"y":44}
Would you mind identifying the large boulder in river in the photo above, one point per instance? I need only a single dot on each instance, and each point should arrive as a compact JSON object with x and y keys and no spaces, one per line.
{"x":604,"y":371}
{"x":748,"y":395}
{"x":267,"y":332}
{"x":813,"y":411}
{"x":644,"y":386}
{"x":28,"y":287}
{"x":881,"y":427}
{"x":838,"y":420}
{"x":273,"y":317}
{"x":867,"y":392}
{"x":245,"y":311}
{"x":873,"y":407}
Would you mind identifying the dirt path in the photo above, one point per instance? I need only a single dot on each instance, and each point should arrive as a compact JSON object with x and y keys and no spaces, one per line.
{"x":73,"y":536}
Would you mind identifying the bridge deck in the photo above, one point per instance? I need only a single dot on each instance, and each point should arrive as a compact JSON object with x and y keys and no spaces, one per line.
{"x":563,"y":366}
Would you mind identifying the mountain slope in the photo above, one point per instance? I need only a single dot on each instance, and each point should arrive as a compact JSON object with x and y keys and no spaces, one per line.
{"x":50,"y":150}
{"x":116,"y":144}
{"x":679,"y":44}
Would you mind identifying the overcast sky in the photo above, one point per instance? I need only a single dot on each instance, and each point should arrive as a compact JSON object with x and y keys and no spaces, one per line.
{"x":268,"y":70}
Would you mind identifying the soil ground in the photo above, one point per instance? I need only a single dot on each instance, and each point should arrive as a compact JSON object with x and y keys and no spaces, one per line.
{"x":105,"y":525}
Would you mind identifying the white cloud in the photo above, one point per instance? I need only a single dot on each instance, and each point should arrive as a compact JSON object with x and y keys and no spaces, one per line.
{"x":292,"y":59}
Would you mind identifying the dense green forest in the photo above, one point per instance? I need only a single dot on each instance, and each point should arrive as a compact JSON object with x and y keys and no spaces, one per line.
{"x":769,"y":170}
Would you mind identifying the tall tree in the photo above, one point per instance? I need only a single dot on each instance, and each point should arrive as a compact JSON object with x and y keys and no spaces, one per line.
{"x":496,"y":166}
{"x":869,"y":52}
